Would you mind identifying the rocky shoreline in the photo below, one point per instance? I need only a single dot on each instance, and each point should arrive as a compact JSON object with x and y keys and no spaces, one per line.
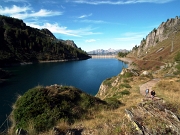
{"x":127,"y":60}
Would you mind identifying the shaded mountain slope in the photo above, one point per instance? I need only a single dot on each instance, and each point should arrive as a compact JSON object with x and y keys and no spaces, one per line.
{"x":21,"y":43}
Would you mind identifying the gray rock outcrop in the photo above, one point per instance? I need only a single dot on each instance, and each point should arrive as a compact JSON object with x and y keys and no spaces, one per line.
{"x":70,"y":43}
{"x":164,"y":31}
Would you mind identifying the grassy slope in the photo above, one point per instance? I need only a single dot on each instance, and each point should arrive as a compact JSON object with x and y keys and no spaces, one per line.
{"x":44,"y":107}
{"x":153,"y":59}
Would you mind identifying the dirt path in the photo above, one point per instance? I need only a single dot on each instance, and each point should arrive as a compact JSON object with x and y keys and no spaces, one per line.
{"x":148,"y":85}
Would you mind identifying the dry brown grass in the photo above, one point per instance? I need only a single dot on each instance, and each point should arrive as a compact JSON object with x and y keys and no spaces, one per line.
{"x":31,"y":129}
{"x":169,"y":90}
{"x":11,"y":130}
{"x":165,"y":55}
{"x":50,"y":132}
{"x":63,"y":125}
{"x":107,"y":122}
{"x":153,"y":59}
{"x":116,"y":122}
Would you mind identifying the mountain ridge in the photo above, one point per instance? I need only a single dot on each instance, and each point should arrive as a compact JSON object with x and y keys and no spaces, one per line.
{"x":106,"y":52}
{"x":164,"y":31}
{"x":21,"y":43}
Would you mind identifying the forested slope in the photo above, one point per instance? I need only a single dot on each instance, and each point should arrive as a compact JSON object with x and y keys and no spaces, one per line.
{"x":21,"y":43}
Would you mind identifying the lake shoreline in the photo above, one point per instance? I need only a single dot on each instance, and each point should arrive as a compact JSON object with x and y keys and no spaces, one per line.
{"x":130,"y":61}
{"x":41,"y":61}
{"x":127,"y":60}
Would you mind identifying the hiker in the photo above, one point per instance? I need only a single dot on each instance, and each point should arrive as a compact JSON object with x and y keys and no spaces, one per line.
{"x":146,"y":92}
{"x":153,"y":94}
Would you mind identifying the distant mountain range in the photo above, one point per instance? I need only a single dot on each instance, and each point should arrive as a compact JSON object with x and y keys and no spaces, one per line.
{"x":110,"y":51}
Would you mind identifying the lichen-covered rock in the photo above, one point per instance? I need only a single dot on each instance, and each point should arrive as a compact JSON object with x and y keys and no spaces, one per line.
{"x":147,"y":113}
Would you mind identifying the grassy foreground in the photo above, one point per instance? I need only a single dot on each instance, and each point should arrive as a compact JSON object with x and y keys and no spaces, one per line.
{"x":42,"y":108}
{"x":67,"y":108}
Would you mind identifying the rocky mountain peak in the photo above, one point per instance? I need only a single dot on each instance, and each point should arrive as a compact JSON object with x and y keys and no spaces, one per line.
{"x":165,"y":30}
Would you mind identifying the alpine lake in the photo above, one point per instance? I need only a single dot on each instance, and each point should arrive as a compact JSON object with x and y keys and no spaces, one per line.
{"x":87,"y":75}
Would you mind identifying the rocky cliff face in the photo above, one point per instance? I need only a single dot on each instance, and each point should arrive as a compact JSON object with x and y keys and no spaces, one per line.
{"x":164,"y":31}
{"x":106,"y":88}
{"x":102,"y":91}
{"x":69,"y":42}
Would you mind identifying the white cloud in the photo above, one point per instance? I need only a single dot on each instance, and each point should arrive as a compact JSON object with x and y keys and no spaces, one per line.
{"x":84,"y":16}
{"x":45,"y":13}
{"x":13,"y":10}
{"x":27,"y":12}
{"x":92,"y":21}
{"x":90,"y":40}
{"x":15,"y":1}
{"x":120,"y":2}
{"x":55,"y":28}
{"x":28,"y":15}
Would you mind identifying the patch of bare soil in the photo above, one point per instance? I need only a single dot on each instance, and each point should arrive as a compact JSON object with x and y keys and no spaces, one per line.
{"x":148,"y":64}
{"x":140,"y":64}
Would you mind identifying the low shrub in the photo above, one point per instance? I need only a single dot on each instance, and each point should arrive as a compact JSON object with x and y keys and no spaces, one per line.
{"x":108,"y":82}
{"x":125,"y":81}
{"x":124,"y":85}
{"x":177,"y":57}
{"x":178,"y":69}
{"x":127,"y":75}
{"x":113,"y":103}
{"x":125,"y":92}
{"x":45,"y":106}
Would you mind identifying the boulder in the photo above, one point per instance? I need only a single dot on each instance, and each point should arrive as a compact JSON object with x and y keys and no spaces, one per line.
{"x":145,"y":73}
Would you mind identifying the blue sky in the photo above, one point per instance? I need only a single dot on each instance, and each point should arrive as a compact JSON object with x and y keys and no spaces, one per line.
{"x":94,"y":24}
